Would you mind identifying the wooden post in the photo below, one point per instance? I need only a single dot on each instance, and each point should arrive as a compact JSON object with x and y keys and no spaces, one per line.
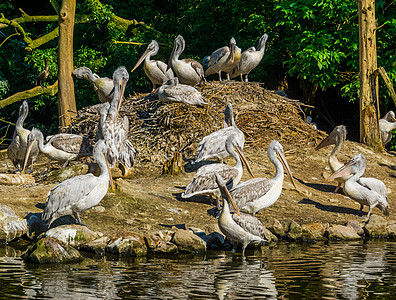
{"x":368,"y":102}
{"x":66,"y":98}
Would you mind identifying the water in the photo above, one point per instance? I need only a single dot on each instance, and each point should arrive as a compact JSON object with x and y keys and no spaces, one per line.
{"x":355,"y":270}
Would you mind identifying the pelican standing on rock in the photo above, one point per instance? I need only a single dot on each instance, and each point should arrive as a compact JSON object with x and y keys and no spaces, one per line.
{"x":62,"y":147}
{"x":204,"y":182}
{"x":387,"y":124}
{"x":250,"y":59}
{"x":77,"y":194}
{"x":172,"y":91}
{"x":17,"y":148}
{"x":255,"y":194}
{"x":212,"y":146}
{"x":370,"y":191}
{"x":102,"y":86}
{"x":239,"y":227}
{"x":188,"y":71}
{"x":224,"y":59}
{"x":155,"y":70}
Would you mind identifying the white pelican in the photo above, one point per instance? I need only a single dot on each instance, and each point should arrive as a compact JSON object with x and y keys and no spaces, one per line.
{"x":204,"y":182}
{"x":250,"y":59}
{"x":188,"y":71}
{"x":366,"y":191}
{"x":224,"y":59}
{"x":239,"y":227}
{"x":114,"y":129}
{"x":17,"y":148}
{"x":155,"y":70}
{"x":77,"y":194}
{"x":102,"y":86}
{"x":255,"y":194}
{"x":387,"y":124}
{"x":172,"y":91}
{"x":212,"y":146}
{"x":62,"y":147}
{"x":43,"y":76}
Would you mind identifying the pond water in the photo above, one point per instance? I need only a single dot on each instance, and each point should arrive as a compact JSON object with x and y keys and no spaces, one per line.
{"x":358,"y":270}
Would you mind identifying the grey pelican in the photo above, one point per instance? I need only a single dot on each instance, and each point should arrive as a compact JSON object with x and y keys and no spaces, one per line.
{"x":255,"y":194}
{"x":114,"y":129}
{"x":204,"y":182}
{"x":77,"y":194}
{"x":337,"y":137}
{"x":212,"y":146}
{"x":172,"y":91}
{"x":155,"y":70}
{"x":250,"y":59}
{"x":239,"y":227}
{"x":387,"y":124}
{"x":366,"y":191}
{"x":224,"y":59}
{"x":17,"y":148}
{"x":188,"y":71}
{"x":62,"y":147}
{"x":102,"y":86}
{"x":43,"y":76}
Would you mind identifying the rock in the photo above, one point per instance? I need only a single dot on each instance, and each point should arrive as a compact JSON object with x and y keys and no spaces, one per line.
{"x":50,"y":250}
{"x":158,"y":245}
{"x":214,"y":240}
{"x":274,"y":226}
{"x":294,"y":231}
{"x":11,"y":226}
{"x":342,"y":233}
{"x":376,"y":227}
{"x":97,"y":246}
{"x":16,"y":179}
{"x":357,"y":226}
{"x":271,"y":238}
{"x":36,"y":226}
{"x":73,"y":235}
{"x":68,"y":172}
{"x":312,"y":232}
{"x":187,"y":241}
{"x":391,"y":229}
{"x":128,"y":245}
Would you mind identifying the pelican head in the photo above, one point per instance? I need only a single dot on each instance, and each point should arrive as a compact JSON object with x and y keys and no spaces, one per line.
{"x":356,"y":165}
{"x":152,"y":49}
{"x":232,"y":50}
{"x":336,"y":136}
{"x":390,"y":116}
{"x":262,"y":41}
{"x":34,"y":135}
{"x":230,"y":144}
{"x":226,"y":193}
{"x":178,"y":48}
{"x":120,"y":79}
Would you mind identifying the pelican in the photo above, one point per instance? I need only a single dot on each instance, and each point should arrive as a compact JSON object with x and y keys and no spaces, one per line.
{"x":212,"y":146}
{"x":366,"y":191}
{"x":387,"y":124}
{"x":337,"y":137}
{"x":102,"y":86}
{"x":62,"y":147}
{"x":224,"y":59}
{"x":187,"y":70}
{"x":114,"y":129}
{"x":43,"y":76}
{"x":17,"y":148}
{"x":255,"y":194}
{"x":204,"y":182}
{"x":250,"y":59}
{"x":172,"y":91}
{"x":155,"y":70}
{"x":239,"y":227}
{"x":77,"y":194}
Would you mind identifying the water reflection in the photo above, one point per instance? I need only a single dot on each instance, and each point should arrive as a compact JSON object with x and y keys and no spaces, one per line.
{"x":335,"y":271}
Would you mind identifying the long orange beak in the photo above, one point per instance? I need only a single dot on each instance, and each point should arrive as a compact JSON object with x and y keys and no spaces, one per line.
{"x":345,"y":170}
{"x":141,"y":59}
{"x":226,"y":193}
{"x":122,"y":91}
{"x":244,"y":160}
{"x":28,"y":149}
{"x":329,"y":140}
{"x":110,"y":177}
{"x":288,"y":171}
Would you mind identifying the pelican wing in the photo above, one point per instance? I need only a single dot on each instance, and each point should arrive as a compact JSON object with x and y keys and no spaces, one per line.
{"x":251,"y":190}
{"x":250,"y":224}
{"x":71,"y":143}
{"x":375,"y":185}
{"x":162,"y":67}
{"x":217,"y":55}
{"x":12,"y":151}
{"x":197,"y":67}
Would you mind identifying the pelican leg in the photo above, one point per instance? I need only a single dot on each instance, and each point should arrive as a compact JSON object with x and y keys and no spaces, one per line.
{"x":246,"y":78}
{"x":228,"y":77}
{"x":361,"y":207}
{"x":241,"y":77}
{"x":337,"y":188}
{"x":369,"y":213}
{"x":220,"y":76}
{"x":78,"y":219}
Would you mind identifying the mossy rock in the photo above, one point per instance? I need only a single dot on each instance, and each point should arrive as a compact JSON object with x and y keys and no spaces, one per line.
{"x":73,"y":235}
{"x":187,"y":241}
{"x":127,"y":245}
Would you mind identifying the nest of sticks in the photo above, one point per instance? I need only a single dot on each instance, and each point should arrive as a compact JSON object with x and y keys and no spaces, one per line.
{"x":157,"y":130}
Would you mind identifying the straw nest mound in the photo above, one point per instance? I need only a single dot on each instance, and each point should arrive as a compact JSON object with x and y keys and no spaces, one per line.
{"x":157,"y":129}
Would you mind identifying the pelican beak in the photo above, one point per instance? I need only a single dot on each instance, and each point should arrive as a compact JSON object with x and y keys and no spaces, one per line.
{"x":110,"y":177}
{"x":170,"y":58}
{"x":226,"y":193}
{"x":329,"y":140}
{"x":141,"y":59}
{"x":232,"y":53}
{"x":288,"y":171}
{"x":122,"y":91}
{"x":345,"y":170}
{"x":244,"y":160}
{"x":28,"y":149}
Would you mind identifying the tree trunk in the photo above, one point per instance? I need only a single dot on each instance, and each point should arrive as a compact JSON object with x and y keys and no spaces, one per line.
{"x":66,"y":99}
{"x":368,"y":102}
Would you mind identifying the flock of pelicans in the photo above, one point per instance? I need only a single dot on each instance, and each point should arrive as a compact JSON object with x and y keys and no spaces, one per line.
{"x":77,"y":194}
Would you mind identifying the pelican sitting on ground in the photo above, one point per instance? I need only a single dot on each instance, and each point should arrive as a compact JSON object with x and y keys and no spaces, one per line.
{"x":255,"y":194}
{"x":239,"y":227}
{"x":172,"y":91}
{"x":77,"y":194}
{"x":102,"y":86}
{"x":370,"y":191}
{"x":204,"y":182}
{"x":155,"y":70}
{"x":337,"y":137}
{"x":17,"y":148}
{"x":62,"y":147}
{"x":250,"y":59}
{"x":387,"y":124}
{"x":188,"y":71}
{"x":212,"y":146}
{"x":224,"y":59}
